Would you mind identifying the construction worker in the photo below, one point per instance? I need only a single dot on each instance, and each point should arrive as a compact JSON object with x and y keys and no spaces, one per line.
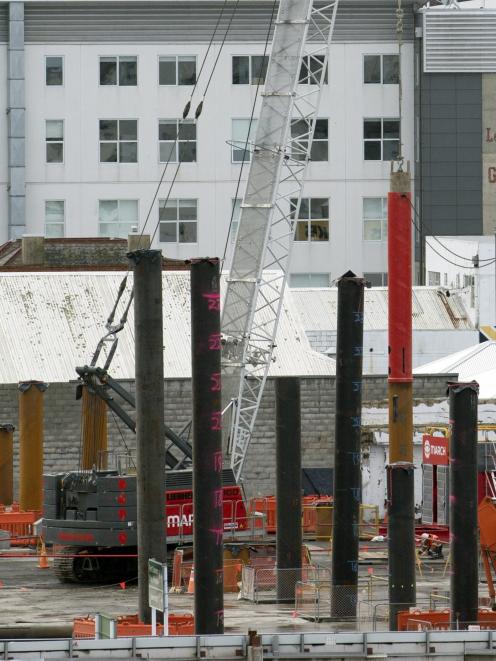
{"x":430,"y":546}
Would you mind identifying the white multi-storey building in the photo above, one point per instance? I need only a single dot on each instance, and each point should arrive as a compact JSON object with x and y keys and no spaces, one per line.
{"x":104,"y":84}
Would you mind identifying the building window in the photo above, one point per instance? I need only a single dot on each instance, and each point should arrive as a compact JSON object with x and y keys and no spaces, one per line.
{"x":383,"y":69}
{"x":54,"y":70}
{"x":376,"y":279}
{"x":242,"y":133}
{"x":235,"y":216}
{"x":54,"y":140}
{"x":120,"y":70}
{"x":313,"y":219}
{"x":300,"y":132}
{"x":311,"y":70}
{"x":308,"y":280}
{"x":178,"y":221}
{"x":118,"y":218}
{"x":177,"y":140}
{"x":177,"y":70}
{"x":118,"y":141}
{"x":54,"y":218}
{"x":374,"y":218}
{"x":249,"y":69}
{"x":381,"y":139}
{"x":434,"y":278}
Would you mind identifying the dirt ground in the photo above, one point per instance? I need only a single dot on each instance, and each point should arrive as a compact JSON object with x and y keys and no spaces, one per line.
{"x":32,"y":595}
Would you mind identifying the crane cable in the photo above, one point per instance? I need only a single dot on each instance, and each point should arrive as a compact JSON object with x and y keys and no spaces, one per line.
{"x":111,"y":328}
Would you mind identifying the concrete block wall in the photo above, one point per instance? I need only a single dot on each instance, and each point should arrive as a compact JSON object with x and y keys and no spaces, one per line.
{"x":63,"y":423}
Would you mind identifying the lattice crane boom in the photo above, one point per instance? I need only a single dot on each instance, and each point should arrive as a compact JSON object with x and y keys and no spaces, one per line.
{"x":280,"y":154}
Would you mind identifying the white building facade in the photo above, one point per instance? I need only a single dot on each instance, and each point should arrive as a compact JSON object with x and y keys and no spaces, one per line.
{"x":104,"y":85}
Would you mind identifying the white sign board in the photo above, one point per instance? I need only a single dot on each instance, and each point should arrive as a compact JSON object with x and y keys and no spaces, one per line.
{"x":157,"y":585}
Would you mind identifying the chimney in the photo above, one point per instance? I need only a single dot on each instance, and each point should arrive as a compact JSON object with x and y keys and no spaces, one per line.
{"x":33,"y":249}
{"x":137,"y":241}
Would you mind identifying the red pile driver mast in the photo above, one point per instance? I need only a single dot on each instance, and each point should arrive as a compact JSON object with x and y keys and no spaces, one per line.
{"x":401,"y":534}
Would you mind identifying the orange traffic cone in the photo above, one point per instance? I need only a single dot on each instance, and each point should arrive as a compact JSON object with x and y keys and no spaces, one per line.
{"x":43,"y":558}
{"x":191,"y":584}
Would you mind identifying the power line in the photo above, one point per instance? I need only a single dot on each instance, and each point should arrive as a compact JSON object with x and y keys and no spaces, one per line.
{"x":460,"y":266}
{"x":432,"y":235}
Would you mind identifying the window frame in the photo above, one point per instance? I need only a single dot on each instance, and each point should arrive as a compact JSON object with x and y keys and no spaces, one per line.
{"x":118,"y":141}
{"x":177,"y":141}
{"x":55,"y":141}
{"x":315,"y":140}
{"x":381,"y":140}
{"x":177,"y":83}
{"x":62,"y":84}
{"x":321,"y":274}
{"x":250,"y":68}
{"x":254,"y":126}
{"x":382,"y":221}
{"x":55,"y":223}
{"x":178,"y":221}
{"x":305,"y":61}
{"x":381,"y":59}
{"x":308,"y":221}
{"x":118,"y":222}
{"x":382,"y":274}
{"x":118,"y":75}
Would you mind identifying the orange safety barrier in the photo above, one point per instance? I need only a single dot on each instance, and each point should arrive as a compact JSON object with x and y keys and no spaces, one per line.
{"x":439,"y":620}
{"x":20,"y":525}
{"x":266,"y":506}
{"x":129,"y":626}
{"x":309,"y":513}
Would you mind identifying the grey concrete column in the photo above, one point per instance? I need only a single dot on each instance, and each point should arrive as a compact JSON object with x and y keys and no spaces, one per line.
{"x":16,"y":121}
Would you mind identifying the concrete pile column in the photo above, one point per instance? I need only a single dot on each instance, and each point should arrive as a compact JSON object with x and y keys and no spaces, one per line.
{"x":288,"y":487}
{"x":6,"y":464}
{"x":150,"y":438}
{"x":31,"y":394}
{"x":463,"y":504}
{"x":347,"y":472}
{"x":208,"y":525}
{"x":93,"y":430}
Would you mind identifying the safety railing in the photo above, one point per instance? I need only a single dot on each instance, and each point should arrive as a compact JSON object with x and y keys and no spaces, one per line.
{"x":271,"y":584}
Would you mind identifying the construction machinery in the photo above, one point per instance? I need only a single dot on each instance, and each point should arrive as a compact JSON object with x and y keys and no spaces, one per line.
{"x":84,"y":510}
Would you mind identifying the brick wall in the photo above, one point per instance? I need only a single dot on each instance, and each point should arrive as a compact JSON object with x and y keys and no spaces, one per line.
{"x":63,"y":425}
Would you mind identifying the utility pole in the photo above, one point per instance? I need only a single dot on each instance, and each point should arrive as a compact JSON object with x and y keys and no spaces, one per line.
{"x":150,"y":445}
{"x":401,"y":514}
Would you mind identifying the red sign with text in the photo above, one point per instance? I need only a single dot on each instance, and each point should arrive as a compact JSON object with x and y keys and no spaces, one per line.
{"x":435,"y":450}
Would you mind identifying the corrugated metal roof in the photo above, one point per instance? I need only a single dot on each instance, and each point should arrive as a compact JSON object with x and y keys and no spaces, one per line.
{"x":183,"y":22}
{"x":432,"y":309}
{"x":51,"y":322}
{"x":459,"y":40}
{"x":477,"y":363}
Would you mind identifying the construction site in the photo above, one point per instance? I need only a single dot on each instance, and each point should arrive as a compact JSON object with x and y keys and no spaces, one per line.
{"x":198,"y":460}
